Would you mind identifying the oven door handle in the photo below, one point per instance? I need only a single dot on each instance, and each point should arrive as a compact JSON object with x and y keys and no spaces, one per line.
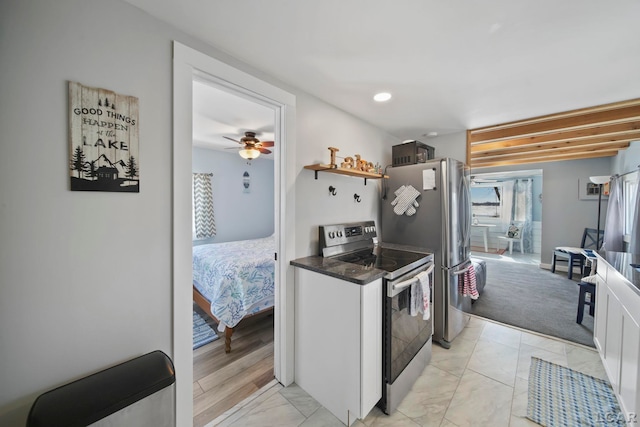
{"x":396,"y":287}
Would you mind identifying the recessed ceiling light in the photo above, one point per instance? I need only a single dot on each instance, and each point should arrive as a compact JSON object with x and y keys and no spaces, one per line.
{"x":382,"y":96}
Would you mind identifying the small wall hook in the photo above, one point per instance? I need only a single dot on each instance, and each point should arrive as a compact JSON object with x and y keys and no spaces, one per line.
{"x":332,"y":190}
{"x":356,"y":198}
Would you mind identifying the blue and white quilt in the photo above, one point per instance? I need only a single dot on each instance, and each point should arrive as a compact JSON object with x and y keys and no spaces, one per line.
{"x":236,"y":277}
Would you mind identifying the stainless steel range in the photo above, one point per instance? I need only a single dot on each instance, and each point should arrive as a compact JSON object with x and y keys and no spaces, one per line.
{"x":406,"y":339}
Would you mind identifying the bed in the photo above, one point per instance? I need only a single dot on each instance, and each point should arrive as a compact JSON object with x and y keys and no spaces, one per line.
{"x":234,"y":280}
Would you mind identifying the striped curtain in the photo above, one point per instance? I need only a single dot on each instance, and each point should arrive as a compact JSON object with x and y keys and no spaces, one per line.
{"x":204,"y":223}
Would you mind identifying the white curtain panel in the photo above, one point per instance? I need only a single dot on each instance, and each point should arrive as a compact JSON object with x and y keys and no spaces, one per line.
{"x":205,"y":225}
{"x":614,"y":222}
{"x":522,"y":211}
{"x":507,"y":204}
{"x":634,"y":245}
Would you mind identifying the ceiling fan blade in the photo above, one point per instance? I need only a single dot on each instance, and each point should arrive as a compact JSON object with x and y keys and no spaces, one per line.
{"x":231,"y":139}
{"x":264,"y":151}
{"x":267,"y":143}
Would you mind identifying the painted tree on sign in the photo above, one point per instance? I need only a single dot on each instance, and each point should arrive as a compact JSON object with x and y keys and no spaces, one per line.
{"x":78,"y":161}
{"x":132,"y":168}
{"x":91,"y":169}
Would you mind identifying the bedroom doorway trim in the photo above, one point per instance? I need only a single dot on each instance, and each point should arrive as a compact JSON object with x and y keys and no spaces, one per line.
{"x":188,"y":63}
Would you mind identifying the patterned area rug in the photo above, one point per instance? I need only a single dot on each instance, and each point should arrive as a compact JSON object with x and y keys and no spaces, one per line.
{"x":202,"y":333}
{"x":559,"y":396}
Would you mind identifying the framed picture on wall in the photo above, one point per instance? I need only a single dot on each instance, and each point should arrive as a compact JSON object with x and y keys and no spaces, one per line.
{"x":587,"y":190}
{"x":103,"y":140}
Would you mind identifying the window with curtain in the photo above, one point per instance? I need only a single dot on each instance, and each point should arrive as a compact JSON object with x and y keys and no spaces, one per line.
{"x":204,"y":225}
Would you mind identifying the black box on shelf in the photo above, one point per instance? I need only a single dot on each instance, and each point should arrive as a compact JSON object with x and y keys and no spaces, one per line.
{"x":411,"y":152}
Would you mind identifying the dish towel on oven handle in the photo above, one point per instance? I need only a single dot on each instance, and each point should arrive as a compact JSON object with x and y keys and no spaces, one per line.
{"x":420,"y":296}
{"x":467,"y":284}
{"x":405,"y":202}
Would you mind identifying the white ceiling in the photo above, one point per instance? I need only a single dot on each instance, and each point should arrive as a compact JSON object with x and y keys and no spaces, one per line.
{"x":450,"y":65}
{"x":217,"y":114}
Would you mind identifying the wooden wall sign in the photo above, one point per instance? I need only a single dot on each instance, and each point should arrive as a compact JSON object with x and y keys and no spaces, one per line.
{"x":103,"y":136}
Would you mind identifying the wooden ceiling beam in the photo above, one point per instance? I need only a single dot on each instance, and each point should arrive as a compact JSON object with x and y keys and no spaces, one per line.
{"x":619,"y":130}
{"x":609,"y":114}
{"x":591,"y":144}
{"x":541,"y":159}
{"x":592,"y":132}
{"x":540,"y":154}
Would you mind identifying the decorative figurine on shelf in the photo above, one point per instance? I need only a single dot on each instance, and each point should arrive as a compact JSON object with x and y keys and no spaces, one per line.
{"x":360,"y":165}
{"x":333,"y":157}
{"x":371,"y":168}
{"x":348,"y":163}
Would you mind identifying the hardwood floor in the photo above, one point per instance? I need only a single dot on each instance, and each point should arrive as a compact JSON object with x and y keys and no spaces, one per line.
{"x":222,"y":380}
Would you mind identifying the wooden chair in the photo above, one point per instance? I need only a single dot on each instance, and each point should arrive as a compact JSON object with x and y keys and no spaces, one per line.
{"x":573,"y":256}
{"x":586,"y":288}
{"x":514,"y":234}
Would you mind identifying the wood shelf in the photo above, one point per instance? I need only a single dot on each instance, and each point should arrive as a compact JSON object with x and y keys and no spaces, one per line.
{"x":342,"y":171}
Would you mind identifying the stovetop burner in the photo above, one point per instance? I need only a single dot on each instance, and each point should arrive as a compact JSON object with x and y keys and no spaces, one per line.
{"x":381,"y":258}
{"x":355,"y":243}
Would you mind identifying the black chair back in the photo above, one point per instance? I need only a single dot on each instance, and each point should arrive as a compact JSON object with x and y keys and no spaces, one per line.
{"x":589,"y":238}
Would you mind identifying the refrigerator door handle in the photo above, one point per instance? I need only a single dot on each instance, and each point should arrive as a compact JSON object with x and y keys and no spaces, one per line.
{"x":467,"y":192}
{"x":458,"y":273}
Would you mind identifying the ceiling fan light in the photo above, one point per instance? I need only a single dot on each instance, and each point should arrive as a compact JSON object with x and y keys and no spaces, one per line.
{"x":249,"y":153}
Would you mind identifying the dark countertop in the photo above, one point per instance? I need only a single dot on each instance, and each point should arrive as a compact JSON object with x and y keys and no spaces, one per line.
{"x":339,"y":269}
{"x":622,"y":262}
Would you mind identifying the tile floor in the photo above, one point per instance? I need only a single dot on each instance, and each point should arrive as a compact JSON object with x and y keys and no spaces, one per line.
{"x":480,"y":381}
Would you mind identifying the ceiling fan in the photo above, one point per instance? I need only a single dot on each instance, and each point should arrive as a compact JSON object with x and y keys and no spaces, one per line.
{"x":252,"y":146}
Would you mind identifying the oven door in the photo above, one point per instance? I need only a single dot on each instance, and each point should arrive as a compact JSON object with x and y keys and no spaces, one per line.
{"x":404,"y":338}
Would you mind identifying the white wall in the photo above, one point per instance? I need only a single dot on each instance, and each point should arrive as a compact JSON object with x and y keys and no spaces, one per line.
{"x":239,"y":215}
{"x":327,"y":127}
{"x":627,"y":160}
{"x":85,"y":278}
{"x":452,"y":145}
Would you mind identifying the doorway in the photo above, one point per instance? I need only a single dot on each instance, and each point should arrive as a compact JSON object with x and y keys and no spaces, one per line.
{"x":240,"y":248}
{"x":188,"y":64}
{"x":500,"y":200}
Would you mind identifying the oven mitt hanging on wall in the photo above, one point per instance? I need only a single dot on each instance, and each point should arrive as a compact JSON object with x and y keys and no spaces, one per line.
{"x":405,"y":202}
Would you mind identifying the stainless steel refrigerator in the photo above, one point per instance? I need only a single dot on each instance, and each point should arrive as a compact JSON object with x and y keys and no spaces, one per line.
{"x":427,"y":205}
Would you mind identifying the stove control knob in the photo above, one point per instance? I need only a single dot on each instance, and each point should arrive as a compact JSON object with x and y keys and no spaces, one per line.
{"x":372,"y":229}
{"x":332,"y":234}
{"x":339,"y":233}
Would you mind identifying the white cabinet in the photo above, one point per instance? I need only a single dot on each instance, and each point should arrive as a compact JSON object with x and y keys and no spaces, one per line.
{"x":338,"y":343}
{"x":600,"y":318}
{"x":617,"y":335}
